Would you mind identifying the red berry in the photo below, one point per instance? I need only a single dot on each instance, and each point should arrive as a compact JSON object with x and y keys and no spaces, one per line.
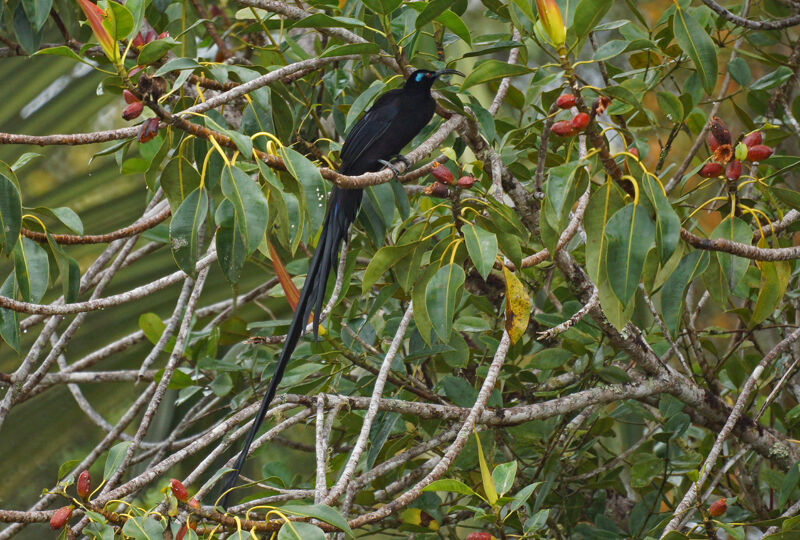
{"x":562,"y":128}
{"x":720,"y":130}
{"x":148,"y":130}
{"x":133,"y":110}
{"x":759,"y":152}
{"x":163,"y":35}
{"x":713,"y":143}
{"x":84,"y":484}
{"x":717,"y":508}
{"x":437,"y":189}
{"x":733,"y":170}
{"x":711,"y":169}
{"x":442,"y":173}
{"x":466,"y":182}
{"x":480,"y":536}
{"x":61,"y":517}
{"x":565,"y":101}
{"x":129,"y":97}
{"x":178,"y":490}
{"x":194,"y":503}
{"x":753,"y":139}
{"x":580,"y":121}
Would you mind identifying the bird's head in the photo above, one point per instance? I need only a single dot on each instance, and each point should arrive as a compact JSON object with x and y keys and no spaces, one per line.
{"x":422,"y":79}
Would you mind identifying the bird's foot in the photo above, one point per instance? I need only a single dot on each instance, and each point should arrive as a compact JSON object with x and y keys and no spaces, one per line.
{"x":401,"y":158}
{"x":391,"y":166}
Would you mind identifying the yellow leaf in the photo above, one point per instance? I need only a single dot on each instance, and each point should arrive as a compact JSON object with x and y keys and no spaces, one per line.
{"x":518,"y":306}
{"x":486,"y":476}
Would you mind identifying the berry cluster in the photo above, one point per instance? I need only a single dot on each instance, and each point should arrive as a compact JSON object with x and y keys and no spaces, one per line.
{"x":729,"y":158}
{"x":446,"y":178}
{"x":567,"y":128}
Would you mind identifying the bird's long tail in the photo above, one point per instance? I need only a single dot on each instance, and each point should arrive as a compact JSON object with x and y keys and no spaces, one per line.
{"x":342,"y":209}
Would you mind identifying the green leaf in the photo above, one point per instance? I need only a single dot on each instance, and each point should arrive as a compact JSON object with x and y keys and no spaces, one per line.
{"x":61,"y":50}
{"x":177,"y":64}
{"x":734,"y":230}
{"x":694,"y":41}
{"x":522,"y":496}
{"x":37,"y":12}
{"x":69,"y":271}
{"x":550,"y":358}
{"x":588,"y":14}
{"x":503,"y":477}
{"x":314,"y":189}
{"x":450,"y":485}
{"x":28,"y":37}
{"x":114,"y":459}
{"x":441,"y":297}
{"x":610,"y":49}
{"x":24,"y":159}
{"x":771,"y":80}
{"x":32,"y":269}
{"x":65,"y":468}
{"x":65,"y":215}
{"x":383,"y":7}
{"x":381,"y":262}
{"x":492,"y":70}
{"x":488,"y":483}
{"x":10,"y":215}
{"x":668,"y":224}
{"x":454,"y":23}
{"x":630,"y":234}
{"x":229,"y":242}
{"x":361,"y":103}
{"x":788,"y":485}
{"x":184,"y":229}
{"x":297,"y":530}
{"x":740,"y":71}
{"x":249,"y":203}
{"x":178,"y":179}
{"x":774,"y":279}
{"x":421,"y":316}
{"x":431,"y":11}
{"x":9,"y":319}
{"x":351,"y":48}
{"x":323,"y":512}
{"x":320,"y":20}
{"x":122,"y":20}
{"x":670,"y":105}
{"x":674,"y":290}
{"x":143,"y":528}
{"x":155,"y":50}
{"x":481,"y":246}
{"x":603,"y":203}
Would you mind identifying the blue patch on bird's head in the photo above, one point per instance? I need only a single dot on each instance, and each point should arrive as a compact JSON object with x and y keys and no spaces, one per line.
{"x":420,"y":76}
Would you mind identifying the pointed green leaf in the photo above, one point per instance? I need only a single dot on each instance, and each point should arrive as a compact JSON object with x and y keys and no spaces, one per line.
{"x":492,"y":70}
{"x":314,"y":192}
{"x":674,"y":290}
{"x":249,"y":204}
{"x":184,"y":229}
{"x":603,"y":204}
{"x":68,"y":269}
{"x":32,"y":269}
{"x":10,"y":215}
{"x":695,"y":41}
{"x":441,"y":297}
{"x":37,"y":12}
{"x":9,"y":319}
{"x":503,"y":477}
{"x":298,"y":530}
{"x":450,"y":485}
{"x":668,"y":225}
{"x":481,"y":246}
{"x":630,"y":234}
{"x":325,"y":513}
{"x":734,"y":230}
{"x":65,"y":215}
{"x":229,"y":242}
{"x":381,"y":262}
{"x":432,"y":10}
{"x":774,"y":279}
{"x":114,"y":459}
{"x":588,"y":14}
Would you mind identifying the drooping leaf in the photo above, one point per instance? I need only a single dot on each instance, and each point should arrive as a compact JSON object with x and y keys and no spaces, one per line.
{"x":668,"y":225}
{"x":695,"y":41}
{"x":735,"y":230}
{"x":69,"y":271}
{"x":10,"y":215}
{"x":488,"y":483}
{"x":184,"y":229}
{"x":630,"y":234}
{"x":249,"y":204}
{"x":450,"y":485}
{"x":774,"y":279}
{"x":32,"y":269}
{"x":37,"y":12}
{"x":674,"y":290}
{"x":441,"y":297}
{"x":518,"y":306}
{"x":229,"y":242}
{"x":481,"y":246}
{"x":385,"y":258}
{"x":314,"y":189}
{"x":9,"y":319}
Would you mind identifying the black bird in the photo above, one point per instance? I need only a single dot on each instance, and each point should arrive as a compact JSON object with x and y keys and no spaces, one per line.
{"x":388,"y":126}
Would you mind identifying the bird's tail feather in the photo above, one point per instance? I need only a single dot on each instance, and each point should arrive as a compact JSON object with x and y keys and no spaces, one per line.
{"x":342,"y":210}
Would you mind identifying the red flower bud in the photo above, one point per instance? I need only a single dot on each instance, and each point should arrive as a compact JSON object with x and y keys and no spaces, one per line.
{"x":442,"y":173}
{"x":163,"y":35}
{"x":480,"y":536}
{"x":129,"y":96}
{"x":633,"y":150}
{"x":562,"y":128}
{"x":133,"y":110}
{"x":84,"y":484}
{"x":178,"y":490}
{"x":580,"y":121}
{"x":717,"y":508}
{"x":759,"y":152}
{"x":565,"y":101}
{"x":466,"y":182}
{"x":713,"y":143}
{"x":711,"y":169}
{"x":720,"y":130}
{"x":61,"y":517}
{"x":753,"y":139}
{"x":733,"y":170}
{"x":148,"y":130}
{"x":139,"y":40}
{"x":150,"y":35}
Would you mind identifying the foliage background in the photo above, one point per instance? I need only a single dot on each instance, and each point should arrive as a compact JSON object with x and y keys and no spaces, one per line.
{"x":670,"y":440}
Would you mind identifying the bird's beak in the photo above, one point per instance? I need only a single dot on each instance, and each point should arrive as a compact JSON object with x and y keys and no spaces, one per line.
{"x":447,"y":72}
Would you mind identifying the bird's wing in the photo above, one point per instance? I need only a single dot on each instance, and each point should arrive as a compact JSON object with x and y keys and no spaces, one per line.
{"x":369,"y":128}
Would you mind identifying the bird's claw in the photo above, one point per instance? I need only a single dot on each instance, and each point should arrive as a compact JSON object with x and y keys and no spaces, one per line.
{"x":391,"y":166}
{"x":402,"y":158}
